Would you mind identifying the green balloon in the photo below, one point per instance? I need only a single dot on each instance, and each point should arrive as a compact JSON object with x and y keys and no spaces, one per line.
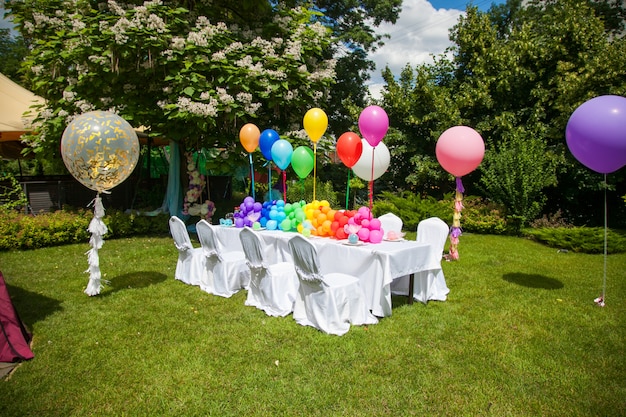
{"x":302,"y":161}
{"x":285,"y":225}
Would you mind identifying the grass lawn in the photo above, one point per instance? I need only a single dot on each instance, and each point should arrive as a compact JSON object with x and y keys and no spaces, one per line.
{"x":519,"y":336}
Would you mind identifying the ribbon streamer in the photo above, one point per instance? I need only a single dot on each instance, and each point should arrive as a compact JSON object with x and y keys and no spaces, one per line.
{"x":371,"y":184}
{"x":98,"y":229}
{"x":348,"y":189}
{"x":284,"y":185}
{"x":455,"y":230}
{"x":252,"y":177}
{"x":314,"y":167}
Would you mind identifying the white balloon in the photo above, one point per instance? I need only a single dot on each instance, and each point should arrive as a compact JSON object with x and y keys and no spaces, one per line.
{"x":363,"y":167}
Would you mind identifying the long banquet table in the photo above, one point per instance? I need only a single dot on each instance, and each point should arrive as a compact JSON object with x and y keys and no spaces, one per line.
{"x":376,"y":265}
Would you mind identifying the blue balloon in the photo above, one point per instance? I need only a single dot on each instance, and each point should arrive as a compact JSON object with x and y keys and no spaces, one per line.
{"x":266,"y":140}
{"x":281,"y":153}
{"x":272,"y":225}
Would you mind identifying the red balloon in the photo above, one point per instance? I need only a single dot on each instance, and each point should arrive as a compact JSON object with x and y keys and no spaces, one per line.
{"x":349,"y":148}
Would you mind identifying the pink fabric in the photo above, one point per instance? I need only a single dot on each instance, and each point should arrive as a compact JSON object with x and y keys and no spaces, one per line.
{"x":13,"y":336}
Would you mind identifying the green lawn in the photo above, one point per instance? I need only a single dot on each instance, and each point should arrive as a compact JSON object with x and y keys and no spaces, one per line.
{"x":519,"y":336}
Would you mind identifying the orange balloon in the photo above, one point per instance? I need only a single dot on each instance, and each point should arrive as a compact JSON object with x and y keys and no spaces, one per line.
{"x":249,"y":137}
{"x":315,"y":123}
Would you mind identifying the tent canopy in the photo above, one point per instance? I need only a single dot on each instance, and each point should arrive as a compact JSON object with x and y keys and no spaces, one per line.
{"x":14,"y":102}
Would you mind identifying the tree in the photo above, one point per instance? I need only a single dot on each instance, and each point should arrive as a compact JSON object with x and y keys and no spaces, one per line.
{"x":12,"y":51}
{"x":173,"y":70}
{"x":515,"y":75}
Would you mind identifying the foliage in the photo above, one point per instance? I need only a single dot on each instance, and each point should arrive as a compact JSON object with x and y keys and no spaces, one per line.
{"x":303,"y":190}
{"x":173,"y":69}
{"x":12,"y":51}
{"x":352,"y":23}
{"x":478,"y":216}
{"x":483,"y":216}
{"x":12,"y":195}
{"x":514,"y":74}
{"x":515,"y":173}
{"x":580,"y":239}
{"x":552,"y":220}
{"x":411,"y":208}
{"x":519,"y":321}
{"x":21,"y":231}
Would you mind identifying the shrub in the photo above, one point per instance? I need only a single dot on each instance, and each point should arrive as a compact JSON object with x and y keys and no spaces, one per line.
{"x":323,"y":191}
{"x":579,"y":239}
{"x":22,"y":231}
{"x":478,"y":216}
{"x":410,"y":207}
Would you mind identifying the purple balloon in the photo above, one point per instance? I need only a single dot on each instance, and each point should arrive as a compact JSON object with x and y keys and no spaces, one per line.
{"x":596,"y":133}
{"x":373,"y":124}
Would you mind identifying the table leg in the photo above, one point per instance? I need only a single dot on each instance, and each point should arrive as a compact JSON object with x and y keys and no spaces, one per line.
{"x":411,"y":281}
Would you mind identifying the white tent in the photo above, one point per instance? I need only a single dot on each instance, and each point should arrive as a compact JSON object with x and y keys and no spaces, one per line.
{"x":14,"y":102}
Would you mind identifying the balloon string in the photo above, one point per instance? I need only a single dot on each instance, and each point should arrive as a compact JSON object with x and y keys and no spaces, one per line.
{"x":348,"y":189}
{"x":269,"y":180}
{"x":284,"y":186}
{"x":252,"y":177}
{"x":605,"y":246}
{"x":371,"y":184}
{"x":314,"y":166}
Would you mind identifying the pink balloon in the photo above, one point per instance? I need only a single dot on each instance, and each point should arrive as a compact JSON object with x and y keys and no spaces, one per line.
{"x":374,"y":224}
{"x":376,"y":236}
{"x":373,"y":124}
{"x":364,"y":234}
{"x":460,"y":150}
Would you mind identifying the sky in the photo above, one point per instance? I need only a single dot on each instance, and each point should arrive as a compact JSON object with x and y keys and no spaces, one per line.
{"x":420,"y":32}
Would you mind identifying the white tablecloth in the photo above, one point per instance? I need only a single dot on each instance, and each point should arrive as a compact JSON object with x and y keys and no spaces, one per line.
{"x":376,"y":265}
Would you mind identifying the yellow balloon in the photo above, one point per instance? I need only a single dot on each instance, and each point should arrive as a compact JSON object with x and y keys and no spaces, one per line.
{"x":315,"y":123}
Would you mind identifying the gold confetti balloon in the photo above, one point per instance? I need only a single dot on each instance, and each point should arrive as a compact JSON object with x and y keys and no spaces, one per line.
{"x":100,"y":149}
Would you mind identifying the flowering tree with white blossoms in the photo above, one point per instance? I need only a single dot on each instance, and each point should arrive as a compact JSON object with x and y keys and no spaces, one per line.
{"x":184,"y":76}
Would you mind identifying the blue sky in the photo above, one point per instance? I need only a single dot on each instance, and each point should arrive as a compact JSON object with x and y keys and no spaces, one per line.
{"x":420,"y":32}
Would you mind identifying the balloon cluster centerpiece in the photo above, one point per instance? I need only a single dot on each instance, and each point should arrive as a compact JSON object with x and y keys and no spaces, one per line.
{"x":316,"y":218}
{"x":100,"y":149}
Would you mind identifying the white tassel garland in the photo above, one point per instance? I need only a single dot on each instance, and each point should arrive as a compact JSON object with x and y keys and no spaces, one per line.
{"x":98,"y":229}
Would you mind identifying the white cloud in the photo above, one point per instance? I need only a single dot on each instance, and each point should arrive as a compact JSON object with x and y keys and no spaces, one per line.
{"x":420,"y":32}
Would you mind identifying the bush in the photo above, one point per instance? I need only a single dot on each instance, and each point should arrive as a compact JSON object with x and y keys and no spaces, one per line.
{"x":411,"y":208}
{"x":323,"y":191}
{"x":478,"y":216}
{"x":579,"y":239}
{"x":22,"y":231}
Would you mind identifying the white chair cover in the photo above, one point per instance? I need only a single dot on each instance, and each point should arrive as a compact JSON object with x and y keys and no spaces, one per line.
{"x":328,"y":302}
{"x":226,"y":272}
{"x":190,"y":264}
{"x":273,"y":288}
{"x":389,"y":222}
{"x":429,"y":284}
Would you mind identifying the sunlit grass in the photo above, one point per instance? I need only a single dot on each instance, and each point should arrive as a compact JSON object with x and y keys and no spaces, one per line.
{"x":519,"y":336}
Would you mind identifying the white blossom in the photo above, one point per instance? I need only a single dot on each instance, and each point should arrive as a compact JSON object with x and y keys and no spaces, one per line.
{"x":69,"y":96}
{"x":178,"y":43}
{"x":115,"y":8}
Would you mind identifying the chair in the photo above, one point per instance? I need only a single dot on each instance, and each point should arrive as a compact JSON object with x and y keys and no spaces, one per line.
{"x":389,"y":222}
{"x":190,"y":264}
{"x":329,"y":302}
{"x":226,"y":272}
{"x":273,"y":288}
{"x":429,"y":284}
